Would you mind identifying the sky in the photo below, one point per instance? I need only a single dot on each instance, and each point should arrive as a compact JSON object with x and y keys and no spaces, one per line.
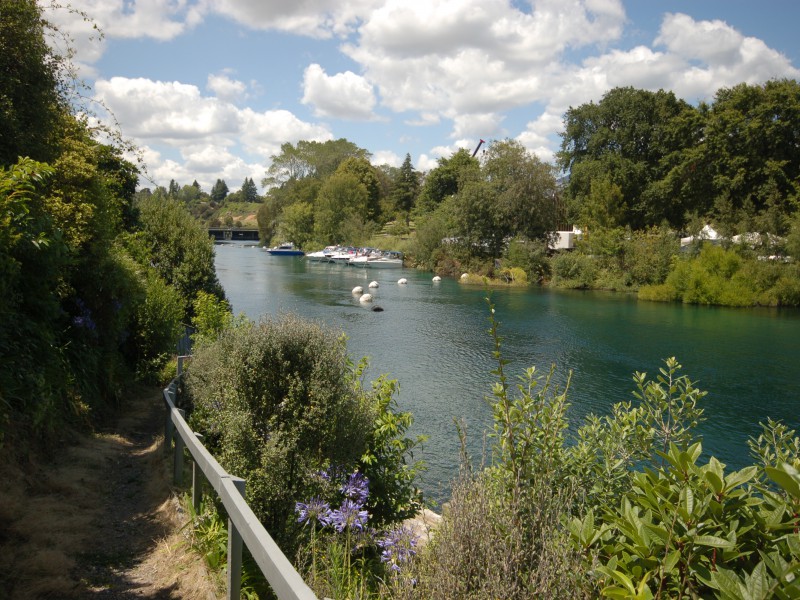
{"x":211,"y":89}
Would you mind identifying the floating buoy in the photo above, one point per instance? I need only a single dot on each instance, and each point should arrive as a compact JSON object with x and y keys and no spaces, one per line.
{"x":365,"y":299}
{"x":373,"y":284}
{"x":437,"y":278}
{"x":402,"y":281}
{"x":376,"y":308}
{"x":464,"y":275}
{"x":358,"y":290}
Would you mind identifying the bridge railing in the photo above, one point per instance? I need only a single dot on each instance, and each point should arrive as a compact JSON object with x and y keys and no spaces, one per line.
{"x":243,"y":525}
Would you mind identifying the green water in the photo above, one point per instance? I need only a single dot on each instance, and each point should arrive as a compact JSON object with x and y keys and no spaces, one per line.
{"x":432,"y":338}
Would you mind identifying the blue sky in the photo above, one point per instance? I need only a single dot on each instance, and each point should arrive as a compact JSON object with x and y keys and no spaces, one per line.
{"x":210,"y":89}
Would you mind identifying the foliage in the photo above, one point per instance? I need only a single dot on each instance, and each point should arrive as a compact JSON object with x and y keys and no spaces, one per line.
{"x":177,"y":246}
{"x":317,"y":160}
{"x":277,"y":403}
{"x":341,"y":205}
{"x":405,"y":189}
{"x":631,"y":143}
{"x":385,"y":461}
{"x":573,"y":270}
{"x":724,"y":277}
{"x":33,"y":85}
{"x":446,"y":179}
{"x":513,"y":194}
{"x":640,"y":158}
{"x":212,"y":316}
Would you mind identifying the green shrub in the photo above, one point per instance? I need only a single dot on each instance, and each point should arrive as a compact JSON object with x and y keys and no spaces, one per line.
{"x":157,"y":325}
{"x":277,"y":402}
{"x":723,"y":277}
{"x":573,"y":270}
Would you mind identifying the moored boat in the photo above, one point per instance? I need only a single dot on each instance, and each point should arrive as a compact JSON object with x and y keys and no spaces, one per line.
{"x":286,"y":249}
{"x":389,"y":259}
{"x":322,"y":255}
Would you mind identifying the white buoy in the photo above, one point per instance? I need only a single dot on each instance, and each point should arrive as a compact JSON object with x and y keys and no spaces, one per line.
{"x":402,"y":281}
{"x":365,"y":299}
{"x":358,"y":290}
{"x":464,"y":275}
{"x":373,"y":284}
{"x":437,"y":278}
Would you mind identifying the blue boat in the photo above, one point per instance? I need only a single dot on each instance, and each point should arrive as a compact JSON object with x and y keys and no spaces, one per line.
{"x":286,"y":249}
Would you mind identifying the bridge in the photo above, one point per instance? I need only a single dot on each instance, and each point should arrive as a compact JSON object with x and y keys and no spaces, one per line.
{"x":233,"y":234}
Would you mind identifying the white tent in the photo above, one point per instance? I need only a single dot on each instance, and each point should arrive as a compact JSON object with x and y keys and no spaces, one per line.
{"x":706,"y":233}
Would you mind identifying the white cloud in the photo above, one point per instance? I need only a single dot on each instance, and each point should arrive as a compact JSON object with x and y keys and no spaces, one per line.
{"x":212,"y":136}
{"x":344,"y":95}
{"x":313,"y":18}
{"x":226,"y":88}
{"x":387,"y":157}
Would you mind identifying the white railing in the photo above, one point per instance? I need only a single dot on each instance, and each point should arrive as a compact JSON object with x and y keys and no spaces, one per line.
{"x":243,"y":525}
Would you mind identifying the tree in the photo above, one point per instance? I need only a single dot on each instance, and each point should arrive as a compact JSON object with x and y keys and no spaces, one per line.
{"x":33,"y":85}
{"x":405,"y":189}
{"x":512,"y":194}
{"x":297,"y":223}
{"x":310,"y":159}
{"x":444,"y":180}
{"x":638,"y":139}
{"x":250,"y":191}
{"x":174,"y":189}
{"x":219,"y":191}
{"x":177,"y":247}
{"x":751,"y":141}
{"x":365,"y":173}
{"x":341,"y":198}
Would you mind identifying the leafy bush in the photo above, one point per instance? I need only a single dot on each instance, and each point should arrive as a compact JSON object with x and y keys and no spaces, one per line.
{"x":573,"y":270}
{"x":723,"y":277}
{"x":278,"y":403}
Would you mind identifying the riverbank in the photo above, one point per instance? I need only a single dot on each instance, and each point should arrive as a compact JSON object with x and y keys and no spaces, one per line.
{"x":99,"y":519}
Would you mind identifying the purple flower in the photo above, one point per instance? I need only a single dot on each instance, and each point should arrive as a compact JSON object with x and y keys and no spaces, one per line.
{"x":399,"y":547}
{"x":349,"y":515}
{"x":356,"y":488}
{"x":315,"y":509}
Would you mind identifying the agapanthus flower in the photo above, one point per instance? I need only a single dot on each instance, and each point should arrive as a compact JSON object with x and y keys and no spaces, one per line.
{"x":356,"y":488}
{"x":314,"y":509}
{"x":399,"y":546}
{"x":349,"y":515}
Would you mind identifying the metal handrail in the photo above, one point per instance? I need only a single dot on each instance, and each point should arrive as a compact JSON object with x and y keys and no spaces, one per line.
{"x":243,"y":525}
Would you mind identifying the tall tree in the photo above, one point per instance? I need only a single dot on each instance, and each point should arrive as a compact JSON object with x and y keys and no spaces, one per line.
{"x":310,"y":159}
{"x":444,"y":180}
{"x":513,"y":194}
{"x":362,"y":170}
{"x":751,"y":139}
{"x":33,"y":85}
{"x":341,"y":198}
{"x":250,"y":191}
{"x":219,"y":191}
{"x":405,"y":189}
{"x":637,"y":138}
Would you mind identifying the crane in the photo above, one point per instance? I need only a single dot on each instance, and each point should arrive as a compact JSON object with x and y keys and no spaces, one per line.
{"x":478,"y":147}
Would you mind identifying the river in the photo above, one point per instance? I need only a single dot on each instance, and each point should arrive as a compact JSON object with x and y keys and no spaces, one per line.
{"x":433,"y":338}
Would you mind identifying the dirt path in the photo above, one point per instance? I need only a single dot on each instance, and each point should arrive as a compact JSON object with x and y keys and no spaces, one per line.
{"x":100,"y":520}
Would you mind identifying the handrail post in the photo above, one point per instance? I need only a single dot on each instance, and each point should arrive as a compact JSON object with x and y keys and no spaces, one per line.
{"x":235,"y":544}
{"x":177,"y":459}
{"x":197,"y":481}
{"x":169,"y":428}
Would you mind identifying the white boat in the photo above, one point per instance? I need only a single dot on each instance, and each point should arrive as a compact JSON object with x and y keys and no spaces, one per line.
{"x":343,"y":256}
{"x":389,"y":259}
{"x":322,"y":255}
{"x":363,"y":256}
